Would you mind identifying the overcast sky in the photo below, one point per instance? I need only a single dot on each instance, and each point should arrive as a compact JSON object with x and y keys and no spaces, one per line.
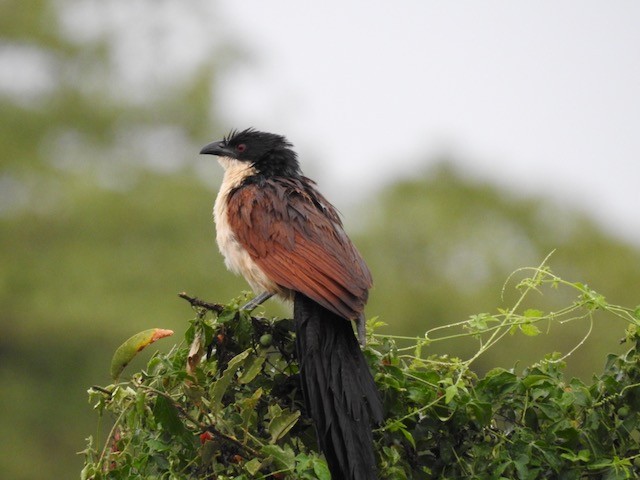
{"x":541,"y":96}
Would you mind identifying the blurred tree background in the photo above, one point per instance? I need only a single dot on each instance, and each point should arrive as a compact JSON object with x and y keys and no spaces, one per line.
{"x":105,"y":214}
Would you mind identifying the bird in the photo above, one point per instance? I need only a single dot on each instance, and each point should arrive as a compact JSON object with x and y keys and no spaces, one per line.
{"x":275,"y":229}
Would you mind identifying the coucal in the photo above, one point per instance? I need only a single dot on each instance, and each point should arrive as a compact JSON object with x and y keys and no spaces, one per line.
{"x":276,"y":230}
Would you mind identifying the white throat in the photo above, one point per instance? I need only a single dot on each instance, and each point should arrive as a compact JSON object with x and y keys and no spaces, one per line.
{"x":235,"y":256}
{"x":235,"y":172}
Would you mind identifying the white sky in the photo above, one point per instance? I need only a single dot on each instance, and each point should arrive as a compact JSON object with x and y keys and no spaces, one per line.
{"x":541,"y":96}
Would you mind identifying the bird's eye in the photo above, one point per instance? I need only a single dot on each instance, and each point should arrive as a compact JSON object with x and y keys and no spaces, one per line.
{"x":241,"y":148}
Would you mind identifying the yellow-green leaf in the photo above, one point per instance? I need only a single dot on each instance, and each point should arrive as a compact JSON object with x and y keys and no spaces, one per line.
{"x":253,"y":466}
{"x":529,"y":329}
{"x":253,"y":366}
{"x":449,"y":393}
{"x":321,"y":470}
{"x":533,"y":313}
{"x":129,"y":349}
{"x":280,"y":425}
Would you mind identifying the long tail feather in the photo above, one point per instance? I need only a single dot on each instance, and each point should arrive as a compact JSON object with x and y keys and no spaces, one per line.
{"x":339,"y":391}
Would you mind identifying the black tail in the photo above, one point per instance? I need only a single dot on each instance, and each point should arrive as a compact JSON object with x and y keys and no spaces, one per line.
{"x":339,"y":390}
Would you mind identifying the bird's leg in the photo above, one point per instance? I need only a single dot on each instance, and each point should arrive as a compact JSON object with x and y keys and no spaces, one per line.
{"x":256,"y":301}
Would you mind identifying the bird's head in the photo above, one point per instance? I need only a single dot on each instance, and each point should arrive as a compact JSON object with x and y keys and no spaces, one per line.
{"x":269,"y":154}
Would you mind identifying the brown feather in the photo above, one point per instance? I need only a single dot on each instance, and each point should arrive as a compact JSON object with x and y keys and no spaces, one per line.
{"x":296,"y":237}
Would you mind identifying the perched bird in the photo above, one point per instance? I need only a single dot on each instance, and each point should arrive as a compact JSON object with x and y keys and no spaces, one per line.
{"x":276,"y":230}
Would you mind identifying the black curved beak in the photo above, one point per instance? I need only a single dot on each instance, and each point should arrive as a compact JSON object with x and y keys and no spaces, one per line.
{"x":217,"y":148}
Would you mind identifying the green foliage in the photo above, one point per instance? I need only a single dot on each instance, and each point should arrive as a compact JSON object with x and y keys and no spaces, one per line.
{"x":226,"y":404}
{"x":438,"y":244}
{"x":234,"y":415}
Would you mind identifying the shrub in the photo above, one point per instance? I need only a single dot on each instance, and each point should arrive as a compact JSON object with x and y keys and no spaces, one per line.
{"x":225,"y":404}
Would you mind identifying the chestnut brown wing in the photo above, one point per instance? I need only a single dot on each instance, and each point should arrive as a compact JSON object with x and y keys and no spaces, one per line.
{"x":295,"y":236}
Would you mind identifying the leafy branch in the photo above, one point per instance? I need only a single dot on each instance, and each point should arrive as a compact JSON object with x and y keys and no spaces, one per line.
{"x":226,"y":402}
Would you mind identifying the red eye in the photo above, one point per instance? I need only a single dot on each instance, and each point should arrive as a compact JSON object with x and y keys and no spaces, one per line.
{"x":241,"y":148}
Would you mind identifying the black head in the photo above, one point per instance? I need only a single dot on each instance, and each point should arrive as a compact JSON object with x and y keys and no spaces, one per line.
{"x":269,"y":154}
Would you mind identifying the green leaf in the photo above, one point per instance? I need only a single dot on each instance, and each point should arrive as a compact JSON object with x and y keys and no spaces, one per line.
{"x":522,"y":466}
{"x":253,"y":366}
{"x":284,"y":458}
{"x":321,"y":470}
{"x":529,"y":329}
{"x":157,"y":446}
{"x":592,"y":299}
{"x":166,"y":413}
{"x":407,"y":434}
{"x":222,"y":384}
{"x":374,"y":323}
{"x":449,"y":393}
{"x":398,"y":426}
{"x":481,"y":412}
{"x":498,"y":381}
{"x":533,"y":313}
{"x":420,"y":394}
{"x":253,"y":466}
{"x":480,"y":322}
{"x":247,"y":407}
{"x":582,"y":456}
{"x":532,"y":380}
{"x":280,"y":425}
{"x":130,"y":348}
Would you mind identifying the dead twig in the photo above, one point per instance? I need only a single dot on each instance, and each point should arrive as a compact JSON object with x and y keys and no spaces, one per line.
{"x":196,"y":302}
